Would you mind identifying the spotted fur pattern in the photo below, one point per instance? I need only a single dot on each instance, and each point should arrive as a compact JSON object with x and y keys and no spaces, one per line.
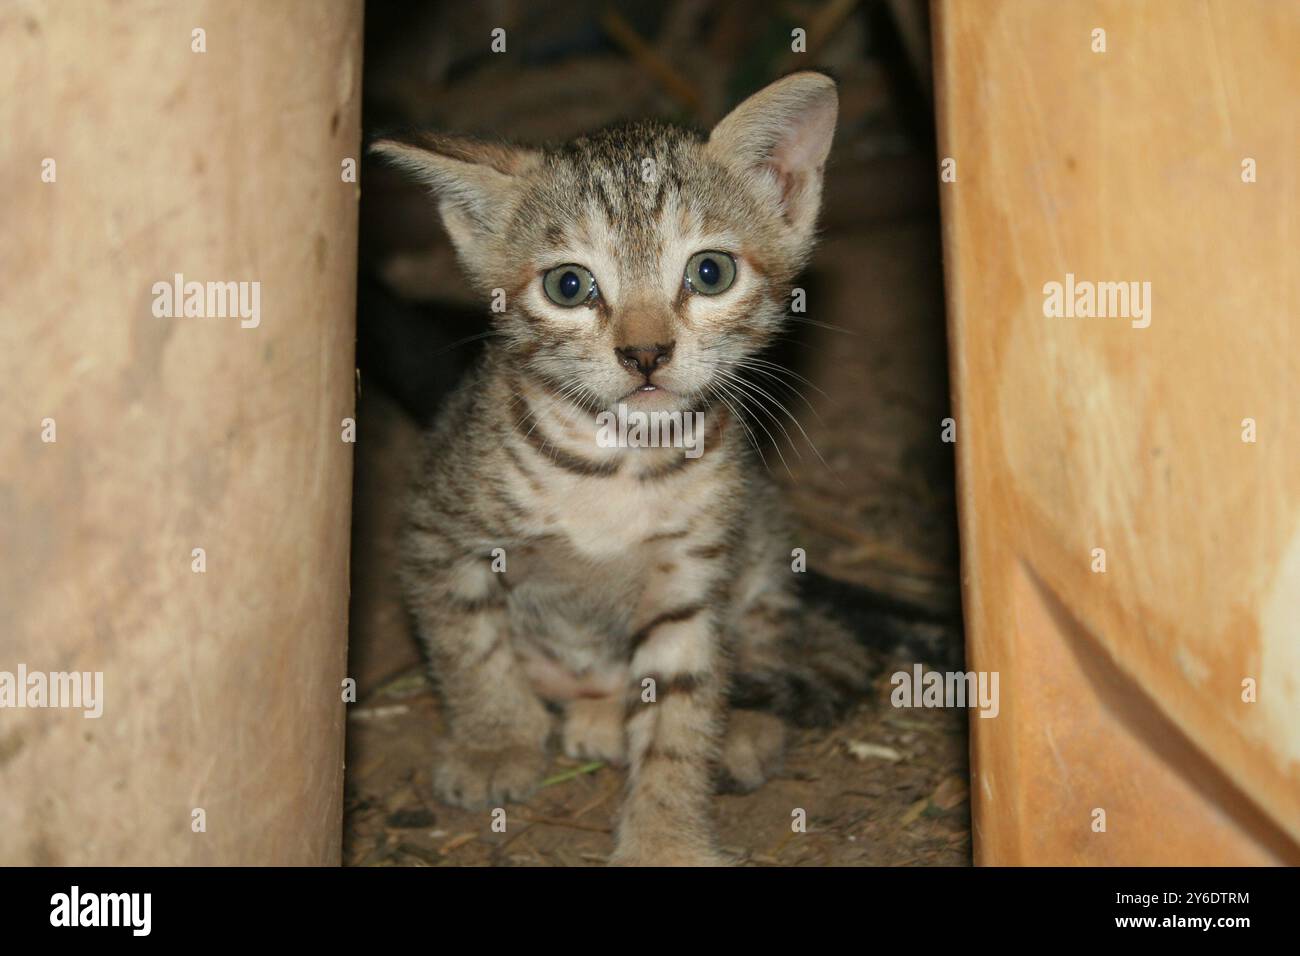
{"x":646,"y":595}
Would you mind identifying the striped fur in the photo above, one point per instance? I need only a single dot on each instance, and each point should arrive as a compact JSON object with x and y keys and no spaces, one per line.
{"x":641,"y":588}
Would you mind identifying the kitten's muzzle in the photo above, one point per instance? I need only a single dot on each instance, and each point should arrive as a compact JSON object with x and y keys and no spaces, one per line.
{"x":645,"y":359}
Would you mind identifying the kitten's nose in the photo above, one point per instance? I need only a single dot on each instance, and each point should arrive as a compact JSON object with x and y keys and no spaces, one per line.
{"x":645,"y":358}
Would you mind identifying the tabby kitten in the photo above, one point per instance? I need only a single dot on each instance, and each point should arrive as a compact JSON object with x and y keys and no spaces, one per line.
{"x":643,"y":595}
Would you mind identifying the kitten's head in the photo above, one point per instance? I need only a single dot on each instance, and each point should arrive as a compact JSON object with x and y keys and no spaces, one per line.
{"x":642,"y":263}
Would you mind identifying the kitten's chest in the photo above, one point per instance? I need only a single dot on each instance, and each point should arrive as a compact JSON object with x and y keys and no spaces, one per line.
{"x":619,"y":513}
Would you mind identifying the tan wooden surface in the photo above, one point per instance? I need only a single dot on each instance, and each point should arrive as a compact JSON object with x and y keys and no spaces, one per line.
{"x":221,"y":689}
{"x":1123,"y":690}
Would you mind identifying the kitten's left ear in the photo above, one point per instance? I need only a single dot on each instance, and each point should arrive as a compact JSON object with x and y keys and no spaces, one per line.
{"x":476,"y":182}
{"x":780,"y":137}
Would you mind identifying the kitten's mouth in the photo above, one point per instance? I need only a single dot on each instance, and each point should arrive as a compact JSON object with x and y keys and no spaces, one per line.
{"x":648,"y":390}
{"x":650,"y":397}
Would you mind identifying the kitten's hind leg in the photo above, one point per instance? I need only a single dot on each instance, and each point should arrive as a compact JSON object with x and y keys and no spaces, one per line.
{"x":752,"y":749}
{"x":594,"y":730}
{"x":796,"y":661}
{"x":496,"y":749}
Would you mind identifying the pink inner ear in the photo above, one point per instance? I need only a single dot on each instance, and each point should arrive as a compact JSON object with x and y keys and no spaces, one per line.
{"x":799,"y":154}
{"x":807,"y":141}
{"x":787,"y":181}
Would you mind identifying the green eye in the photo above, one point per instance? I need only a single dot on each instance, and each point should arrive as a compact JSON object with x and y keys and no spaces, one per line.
{"x":569,"y":285}
{"x":710,"y":272}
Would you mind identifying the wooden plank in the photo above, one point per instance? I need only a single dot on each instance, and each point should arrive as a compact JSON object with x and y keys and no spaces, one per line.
{"x":220,"y":689}
{"x":1122,"y":690}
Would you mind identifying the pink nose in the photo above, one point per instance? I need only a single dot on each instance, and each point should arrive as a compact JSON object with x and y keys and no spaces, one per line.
{"x":644,"y":359}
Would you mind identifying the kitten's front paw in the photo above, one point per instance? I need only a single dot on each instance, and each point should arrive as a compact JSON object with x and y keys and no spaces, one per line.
{"x":477,"y":777}
{"x":668,"y":854}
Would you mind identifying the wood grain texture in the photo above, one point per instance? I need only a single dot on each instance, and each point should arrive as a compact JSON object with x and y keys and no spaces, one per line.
{"x":1123,"y":690}
{"x":221,"y":689}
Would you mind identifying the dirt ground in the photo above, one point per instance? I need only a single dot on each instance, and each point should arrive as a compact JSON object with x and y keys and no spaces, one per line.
{"x":886,"y":786}
{"x":906,"y":807}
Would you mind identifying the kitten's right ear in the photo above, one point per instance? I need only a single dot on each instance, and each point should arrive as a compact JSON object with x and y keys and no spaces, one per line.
{"x":781,"y":137}
{"x":476,"y":182}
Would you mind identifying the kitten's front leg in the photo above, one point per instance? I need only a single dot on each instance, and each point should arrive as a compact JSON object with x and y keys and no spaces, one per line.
{"x":674,"y":734}
{"x":495,"y":751}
